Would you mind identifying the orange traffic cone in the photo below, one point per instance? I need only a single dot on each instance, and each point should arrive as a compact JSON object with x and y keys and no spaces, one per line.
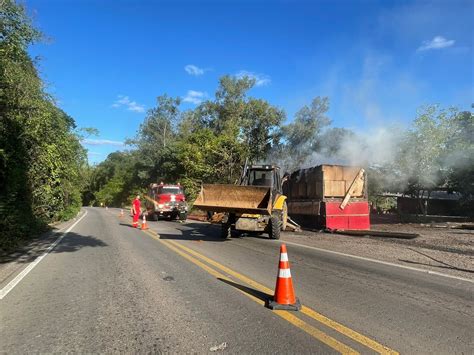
{"x":144,"y":225}
{"x":284,"y":293}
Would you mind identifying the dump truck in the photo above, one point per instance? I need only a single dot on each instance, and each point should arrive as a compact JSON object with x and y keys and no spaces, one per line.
{"x":329,"y":197}
{"x":256,"y":205}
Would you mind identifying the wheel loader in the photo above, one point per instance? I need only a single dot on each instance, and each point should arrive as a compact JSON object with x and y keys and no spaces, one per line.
{"x":256,"y":205}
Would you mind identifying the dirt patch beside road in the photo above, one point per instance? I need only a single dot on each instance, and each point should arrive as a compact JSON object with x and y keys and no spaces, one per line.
{"x":439,"y":248}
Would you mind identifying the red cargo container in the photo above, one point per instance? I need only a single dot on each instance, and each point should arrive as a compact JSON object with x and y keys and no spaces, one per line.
{"x":316,"y":195}
{"x":354,"y":216}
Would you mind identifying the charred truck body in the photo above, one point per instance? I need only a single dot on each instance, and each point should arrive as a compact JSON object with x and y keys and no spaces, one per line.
{"x":328,"y":196}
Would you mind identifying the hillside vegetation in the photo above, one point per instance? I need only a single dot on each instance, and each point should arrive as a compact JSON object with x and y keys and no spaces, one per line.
{"x":212,"y":142}
{"x":41,"y":158}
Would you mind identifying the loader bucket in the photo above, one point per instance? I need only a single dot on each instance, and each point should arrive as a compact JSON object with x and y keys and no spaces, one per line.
{"x":234,"y":199}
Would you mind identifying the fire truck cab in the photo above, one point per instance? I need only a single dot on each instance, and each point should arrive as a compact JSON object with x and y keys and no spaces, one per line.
{"x":166,"y":200}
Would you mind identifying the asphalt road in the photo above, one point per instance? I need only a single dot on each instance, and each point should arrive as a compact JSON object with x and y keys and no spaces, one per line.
{"x":179,"y":288}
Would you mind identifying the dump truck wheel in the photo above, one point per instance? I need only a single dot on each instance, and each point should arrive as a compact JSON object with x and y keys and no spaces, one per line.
{"x":275,"y":226}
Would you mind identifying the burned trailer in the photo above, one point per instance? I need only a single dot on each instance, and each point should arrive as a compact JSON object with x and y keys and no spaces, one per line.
{"x":329,"y":196}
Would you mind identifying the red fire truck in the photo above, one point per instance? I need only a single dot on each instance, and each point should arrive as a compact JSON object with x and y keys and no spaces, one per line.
{"x":165,"y":200}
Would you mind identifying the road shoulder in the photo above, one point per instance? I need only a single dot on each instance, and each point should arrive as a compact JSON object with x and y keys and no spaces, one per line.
{"x":14,"y":262}
{"x":421,"y":254}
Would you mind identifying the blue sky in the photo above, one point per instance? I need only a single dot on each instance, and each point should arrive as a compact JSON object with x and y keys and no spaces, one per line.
{"x":378,"y":61}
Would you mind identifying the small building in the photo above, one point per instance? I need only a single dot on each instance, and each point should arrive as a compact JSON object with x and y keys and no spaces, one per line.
{"x":439,"y":203}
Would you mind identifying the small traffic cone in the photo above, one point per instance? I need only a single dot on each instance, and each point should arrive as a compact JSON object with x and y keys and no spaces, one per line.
{"x":144,"y":225}
{"x":121,"y":213}
{"x":284,"y":298}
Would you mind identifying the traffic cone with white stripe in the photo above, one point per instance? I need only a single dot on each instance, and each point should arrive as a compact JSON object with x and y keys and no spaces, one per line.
{"x":121,"y":213}
{"x":284,"y":298}
{"x":144,"y":225}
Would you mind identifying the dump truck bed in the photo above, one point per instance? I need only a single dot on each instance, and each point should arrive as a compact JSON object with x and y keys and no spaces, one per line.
{"x":234,"y":199}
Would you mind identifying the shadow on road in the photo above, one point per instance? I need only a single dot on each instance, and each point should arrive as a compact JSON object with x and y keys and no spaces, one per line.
{"x":207,"y":232}
{"x":74,"y":242}
{"x":254,"y":235}
{"x":70,"y":243}
{"x":127,"y":225}
{"x":196,"y":231}
{"x":265,"y":297}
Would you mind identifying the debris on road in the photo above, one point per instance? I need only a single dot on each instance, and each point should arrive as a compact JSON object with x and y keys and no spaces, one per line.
{"x":218,"y":347}
{"x":292,"y":226}
{"x":466,"y":226}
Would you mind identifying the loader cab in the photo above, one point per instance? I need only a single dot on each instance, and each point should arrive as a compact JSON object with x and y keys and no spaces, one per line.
{"x":263,"y":175}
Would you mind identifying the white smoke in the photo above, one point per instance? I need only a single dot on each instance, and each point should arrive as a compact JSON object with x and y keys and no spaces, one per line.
{"x":377,"y":146}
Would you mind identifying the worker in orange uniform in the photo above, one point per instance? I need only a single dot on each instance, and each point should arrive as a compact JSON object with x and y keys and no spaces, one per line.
{"x":136,"y":211}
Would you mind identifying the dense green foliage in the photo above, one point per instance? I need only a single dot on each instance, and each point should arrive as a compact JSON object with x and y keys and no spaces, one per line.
{"x":436,"y":152}
{"x":40,"y":155}
{"x":211,"y":143}
{"x":207,"y":144}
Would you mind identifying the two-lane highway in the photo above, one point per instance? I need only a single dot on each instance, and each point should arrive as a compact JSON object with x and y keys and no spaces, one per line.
{"x":180,"y":288}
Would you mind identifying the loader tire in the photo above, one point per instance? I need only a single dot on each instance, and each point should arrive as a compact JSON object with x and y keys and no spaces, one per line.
{"x":275,"y":226}
{"x":226,"y":231}
{"x":284,"y":217}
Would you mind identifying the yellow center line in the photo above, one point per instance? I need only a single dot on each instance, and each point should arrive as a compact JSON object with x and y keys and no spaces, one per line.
{"x":362,"y":339}
{"x":348,"y":332}
{"x":231,"y":272}
{"x":314,"y":332}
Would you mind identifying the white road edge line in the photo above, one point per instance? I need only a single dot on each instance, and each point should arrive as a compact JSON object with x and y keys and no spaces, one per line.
{"x":376,"y":261}
{"x":381,"y":262}
{"x":4,"y":291}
